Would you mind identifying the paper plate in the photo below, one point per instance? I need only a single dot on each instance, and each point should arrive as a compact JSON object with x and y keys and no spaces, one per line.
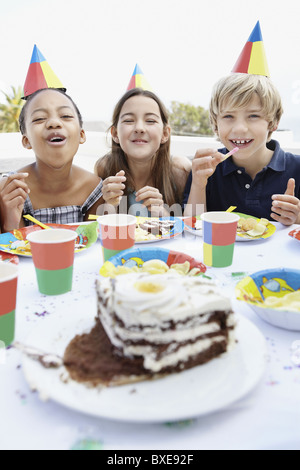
{"x":245,"y":237}
{"x":194,"y":225}
{"x":15,"y":242}
{"x":275,"y":283}
{"x":295,"y":234}
{"x":191,"y":223}
{"x":138,"y":256}
{"x":8,"y":258}
{"x":181,"y":396}
{"x":176,"y":230}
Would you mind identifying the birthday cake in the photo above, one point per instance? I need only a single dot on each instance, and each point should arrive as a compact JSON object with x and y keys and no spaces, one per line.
{"x":157,"y":226}
{"x":149,"y":326}
{"x":167,"y":322}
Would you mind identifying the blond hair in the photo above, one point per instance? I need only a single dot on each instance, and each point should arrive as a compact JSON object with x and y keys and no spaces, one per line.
{"x":236,"y":91}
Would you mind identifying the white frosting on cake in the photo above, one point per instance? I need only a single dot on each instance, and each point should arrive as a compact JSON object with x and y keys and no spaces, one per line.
{"x":167,"y":309}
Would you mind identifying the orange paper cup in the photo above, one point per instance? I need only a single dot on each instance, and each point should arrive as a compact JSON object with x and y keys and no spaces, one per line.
{"x":8,"y":296}
{"x":53,"y":257}
{"x":117,"y":233}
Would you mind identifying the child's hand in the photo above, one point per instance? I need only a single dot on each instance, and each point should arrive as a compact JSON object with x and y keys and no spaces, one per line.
{"x":13,"y":194}
{"x":286,"y":206}
{"x":204,"y":165}
{"x":113,"y":187}
{"x":152,"y":199}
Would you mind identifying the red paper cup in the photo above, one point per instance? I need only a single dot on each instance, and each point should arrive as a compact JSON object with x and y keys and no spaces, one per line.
{"x":8,"y":296}
{"x":117,"y":233}
{"x":53,"y":257}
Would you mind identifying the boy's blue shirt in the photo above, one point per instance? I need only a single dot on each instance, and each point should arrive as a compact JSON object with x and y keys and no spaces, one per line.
{"x":230,"y":185}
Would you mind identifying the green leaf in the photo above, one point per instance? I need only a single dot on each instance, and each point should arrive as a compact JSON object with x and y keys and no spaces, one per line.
{"x":10,"y":111}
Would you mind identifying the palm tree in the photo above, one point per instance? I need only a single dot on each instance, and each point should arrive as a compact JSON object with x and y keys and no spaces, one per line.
{"x":10,"y":111}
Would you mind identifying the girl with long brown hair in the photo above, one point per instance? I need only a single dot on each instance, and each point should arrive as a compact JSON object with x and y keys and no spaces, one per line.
{"x":139,"y":165}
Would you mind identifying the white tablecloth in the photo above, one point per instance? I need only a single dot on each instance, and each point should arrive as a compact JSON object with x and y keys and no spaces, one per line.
{"x":267,"y":418}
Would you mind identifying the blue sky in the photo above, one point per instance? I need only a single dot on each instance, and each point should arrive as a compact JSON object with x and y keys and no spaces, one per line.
{"x":183,"y":47}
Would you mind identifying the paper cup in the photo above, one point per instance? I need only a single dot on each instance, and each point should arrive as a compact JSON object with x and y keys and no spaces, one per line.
{"x":117,"y":233}
{"x":219,"y":233}
{"x":8,"y":296}
{"x":53,"y":257}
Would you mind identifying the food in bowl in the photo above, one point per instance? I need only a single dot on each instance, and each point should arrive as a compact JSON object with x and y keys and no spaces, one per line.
{"x":154,"y":266}
{"x":151,"y":261}
{"x":274,"y":295}
{"x":290,"y":301}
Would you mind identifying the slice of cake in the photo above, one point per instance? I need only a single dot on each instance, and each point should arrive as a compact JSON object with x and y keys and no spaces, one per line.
{"x":164,"y":323}
{"x":157,"y":226}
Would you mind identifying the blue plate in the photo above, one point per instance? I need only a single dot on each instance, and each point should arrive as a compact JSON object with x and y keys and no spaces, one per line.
{"x":176,"y":230}
{"x":138,"y":256}
{"x":15,"y":242}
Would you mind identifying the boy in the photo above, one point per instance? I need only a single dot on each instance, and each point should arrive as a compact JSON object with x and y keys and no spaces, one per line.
{"x":260,"y":178}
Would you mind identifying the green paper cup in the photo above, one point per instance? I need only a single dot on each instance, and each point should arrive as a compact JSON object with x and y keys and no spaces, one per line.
{"x":53,"y":257}
{"x":117,"y":233}
{"x":8,"y":296}
{"x":219,"y":233}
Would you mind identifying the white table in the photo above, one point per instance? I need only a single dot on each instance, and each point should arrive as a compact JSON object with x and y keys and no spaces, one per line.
{"x":267,"y":418}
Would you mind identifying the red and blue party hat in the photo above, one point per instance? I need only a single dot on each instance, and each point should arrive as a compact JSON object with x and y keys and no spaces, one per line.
{"x":138,"y":80}
{"x":252,"y":59}
{"x":40,"y":75}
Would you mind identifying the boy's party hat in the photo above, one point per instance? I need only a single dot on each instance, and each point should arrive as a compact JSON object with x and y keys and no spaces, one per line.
{"x":40,"y":75}
{"x":138,"y":80}
{"x":252,"y":59}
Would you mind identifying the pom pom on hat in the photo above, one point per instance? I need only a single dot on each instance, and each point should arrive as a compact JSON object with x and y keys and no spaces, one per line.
{"x":252,"y":59}
{"x":40,"y":75}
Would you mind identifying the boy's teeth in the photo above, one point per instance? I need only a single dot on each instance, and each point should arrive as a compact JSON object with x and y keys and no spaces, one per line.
{"x":241,"y":141}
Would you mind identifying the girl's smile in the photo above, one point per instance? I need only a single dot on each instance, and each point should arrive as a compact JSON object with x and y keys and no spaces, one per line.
{"x":139,"y":141}
{"x":53,"y":129}
{"x":140,"y":130}
{"x":56,"y":139}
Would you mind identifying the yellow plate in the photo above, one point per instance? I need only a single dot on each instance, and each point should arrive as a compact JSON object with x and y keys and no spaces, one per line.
{"x":245,"y":237}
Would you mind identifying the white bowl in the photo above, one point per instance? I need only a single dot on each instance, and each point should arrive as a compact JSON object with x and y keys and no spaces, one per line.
{"x":255,"y":288}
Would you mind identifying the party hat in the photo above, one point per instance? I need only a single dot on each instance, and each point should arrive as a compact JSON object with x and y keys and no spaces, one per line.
{"x":252,"y":59}
{"x":40,"y":75}
{"x":138,"y":80}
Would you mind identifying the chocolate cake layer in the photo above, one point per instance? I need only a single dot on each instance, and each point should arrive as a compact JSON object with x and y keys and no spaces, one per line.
{"x":91,"y":358}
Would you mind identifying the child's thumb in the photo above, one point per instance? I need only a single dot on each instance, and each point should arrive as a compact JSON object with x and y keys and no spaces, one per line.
{"x":121,"y":173}
{"x":290,"y":189}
